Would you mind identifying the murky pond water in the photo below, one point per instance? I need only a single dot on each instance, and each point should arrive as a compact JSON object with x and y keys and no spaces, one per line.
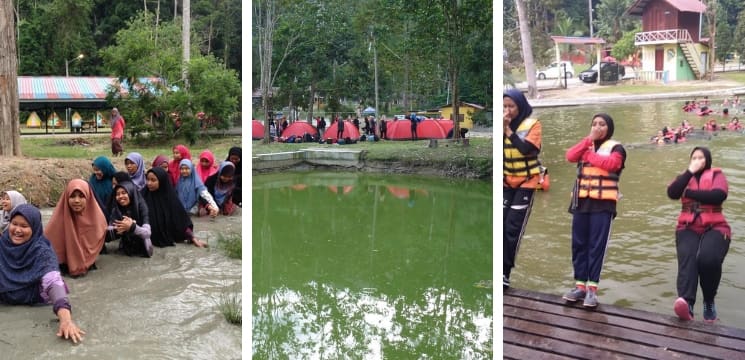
{"x":641,"y":265}
{"x":164,"y":307}
{"x":359,"y":266}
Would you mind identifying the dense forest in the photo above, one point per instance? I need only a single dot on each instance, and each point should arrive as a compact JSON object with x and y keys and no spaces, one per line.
{"x":572,"y":18}
{"x":52,"y":31}
{"x":325,"y":52}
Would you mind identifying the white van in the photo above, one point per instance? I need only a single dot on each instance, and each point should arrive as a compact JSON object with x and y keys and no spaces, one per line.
{"x":555,"y":70}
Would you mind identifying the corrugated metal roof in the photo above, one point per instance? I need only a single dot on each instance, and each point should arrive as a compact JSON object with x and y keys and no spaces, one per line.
{"x":42,"y":88}
{"x":70,"y":89}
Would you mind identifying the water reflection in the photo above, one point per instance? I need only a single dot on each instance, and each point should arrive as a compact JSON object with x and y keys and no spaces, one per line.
{"x":641,"y":265}
{"x":365,"y":266}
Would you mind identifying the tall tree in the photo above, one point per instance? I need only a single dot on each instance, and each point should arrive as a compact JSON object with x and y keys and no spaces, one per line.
{"x":9,"y":125}
{"x":527,"y":48}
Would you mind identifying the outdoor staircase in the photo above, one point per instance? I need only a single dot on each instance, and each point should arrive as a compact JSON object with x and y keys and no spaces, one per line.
{"x":693,"y":58}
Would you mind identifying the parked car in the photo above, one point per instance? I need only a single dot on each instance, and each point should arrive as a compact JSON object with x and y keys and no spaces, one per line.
{"x":555,"y":70}
{"x":591,"y":75}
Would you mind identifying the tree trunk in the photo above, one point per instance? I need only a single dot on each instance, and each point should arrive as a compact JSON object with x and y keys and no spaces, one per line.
{"x":186,"y":40}
{"x":527,"y":49}
{"x":712,"y":7}
{"x":9,"y":124}
{"x":312,"y":102}
{"x":264,"y":17}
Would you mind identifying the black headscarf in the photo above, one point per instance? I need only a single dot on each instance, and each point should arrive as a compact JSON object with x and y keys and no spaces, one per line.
{"x":235,"y":150}
{"x":122,"y":176}
{"x":23,"y":266}
{"x":524,"y":108}
{"x":707,"y":156}
{"x":609,"y":122}
{"x":137,"y":209}
{"x":168,"y":219}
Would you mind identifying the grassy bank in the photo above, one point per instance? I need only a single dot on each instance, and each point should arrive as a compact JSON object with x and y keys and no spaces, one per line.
{"x":477,"y":157}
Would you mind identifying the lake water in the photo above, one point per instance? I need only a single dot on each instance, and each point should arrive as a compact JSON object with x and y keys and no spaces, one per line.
{"x":163,"y":307}
{"x":361,"y":266}
{"x":641,"y":265}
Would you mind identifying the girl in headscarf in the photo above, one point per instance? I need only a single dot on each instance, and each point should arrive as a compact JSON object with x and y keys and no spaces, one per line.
{"x":206,"y":165}
{"x":221,"y":186}
{"x":77,"y":228}
{"x":29,"y":272}
{"x":160,"y":161}
{"x":119,"y":177}
{"x":129,"y":221}
{"x":190,"y":189}
{"x":8,"y":201}
{"x":180,"y":152}
{"x":600,"y":161}
{"x":702,"y":236}
{"x":135,"y":165}
{"x":521,"y":145}
{"x":234,"y":156}
{"x":117,"y":132}
{"x":100,"y":180}
{"x":169,"y":222}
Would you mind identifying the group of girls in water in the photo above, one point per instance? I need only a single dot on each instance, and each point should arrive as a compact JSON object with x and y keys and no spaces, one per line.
{"x":140,"y":208}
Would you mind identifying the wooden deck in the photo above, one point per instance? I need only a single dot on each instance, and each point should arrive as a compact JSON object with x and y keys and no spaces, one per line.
{"x":541,"y":326}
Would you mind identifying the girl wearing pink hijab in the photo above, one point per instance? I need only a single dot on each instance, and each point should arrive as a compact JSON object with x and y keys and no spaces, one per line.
{"x":206,"y":166}
{"x":77,"y":228}
{"x":180,"y":152}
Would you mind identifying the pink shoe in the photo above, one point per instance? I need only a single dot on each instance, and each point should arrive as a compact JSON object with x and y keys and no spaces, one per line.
{"x":682,"y":309}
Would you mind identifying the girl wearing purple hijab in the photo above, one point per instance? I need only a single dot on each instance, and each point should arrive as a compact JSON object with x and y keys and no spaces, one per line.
{"x":521,"y":145}
{"x":29,"y":272}
{"x":135,"y":165}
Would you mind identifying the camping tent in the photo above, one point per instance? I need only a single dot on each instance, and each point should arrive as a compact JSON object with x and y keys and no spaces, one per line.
{"x":53,"y":120}
{"x":33,"y":120}
{"x":257,"y":130}
{"x":350,"y":131}
{"x":299,"y":128}
{"x":368,"y":111}
{"x":426,"y":129}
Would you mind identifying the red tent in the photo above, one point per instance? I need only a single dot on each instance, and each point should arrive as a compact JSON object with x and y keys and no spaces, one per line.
{"x":447,"y":125}
{"x":299,"y":128}
{"x":405,"y":193}
{"x":350,"y":131}
{"x":426,"y":129}
{"x":343,"y":189}
{"x":257,"y":130}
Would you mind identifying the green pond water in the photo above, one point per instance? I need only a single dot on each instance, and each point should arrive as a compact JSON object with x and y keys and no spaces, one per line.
{"x":357,"y":266}
{"x":641,"y":265}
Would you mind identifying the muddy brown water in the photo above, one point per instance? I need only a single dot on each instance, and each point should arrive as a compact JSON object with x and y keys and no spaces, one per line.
{"x":164,"y":307}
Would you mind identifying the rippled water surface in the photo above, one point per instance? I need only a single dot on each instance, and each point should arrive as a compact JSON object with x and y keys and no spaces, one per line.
{"x":367,"y":266}
{"x":164,"y":307}
{"x":641,"y":265}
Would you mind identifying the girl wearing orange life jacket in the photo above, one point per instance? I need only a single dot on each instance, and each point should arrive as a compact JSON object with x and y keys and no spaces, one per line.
{"x":600,"y":161}
{"x":702,"y":236}
{"x":521,"y":145}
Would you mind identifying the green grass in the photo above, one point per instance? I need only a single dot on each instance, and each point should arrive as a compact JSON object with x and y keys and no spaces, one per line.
{"x":61,"y":147}
{"x":738,"y":76}
{"x":231,"y":244}
{"x":229,"y":305}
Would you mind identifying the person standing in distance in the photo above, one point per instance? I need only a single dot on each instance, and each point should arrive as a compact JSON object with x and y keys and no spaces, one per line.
{"x":117,"y":132}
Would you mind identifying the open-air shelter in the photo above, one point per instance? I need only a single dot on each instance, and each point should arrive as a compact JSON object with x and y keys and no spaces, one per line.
{"x":577,"y":40}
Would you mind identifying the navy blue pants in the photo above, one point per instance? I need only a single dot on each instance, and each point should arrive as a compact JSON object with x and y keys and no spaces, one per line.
{"x":516,"y":205}
{"x":700,"y":259}
{"x":590,"y":235}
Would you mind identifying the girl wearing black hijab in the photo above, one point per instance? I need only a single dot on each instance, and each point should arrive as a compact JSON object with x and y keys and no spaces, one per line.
{"x":521,"y":145}
{"x":169,"y":222}
{"x":234,"y":156}
{"x":702,"y":236}
{"x":600,"y":161}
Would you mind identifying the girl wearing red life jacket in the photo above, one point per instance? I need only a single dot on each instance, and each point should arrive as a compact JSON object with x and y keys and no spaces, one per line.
{"x":702,"y":236}
{"x":600,"y":161}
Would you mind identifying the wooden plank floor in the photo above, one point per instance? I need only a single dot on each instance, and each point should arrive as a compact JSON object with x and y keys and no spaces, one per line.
{"x":542,"y":326}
